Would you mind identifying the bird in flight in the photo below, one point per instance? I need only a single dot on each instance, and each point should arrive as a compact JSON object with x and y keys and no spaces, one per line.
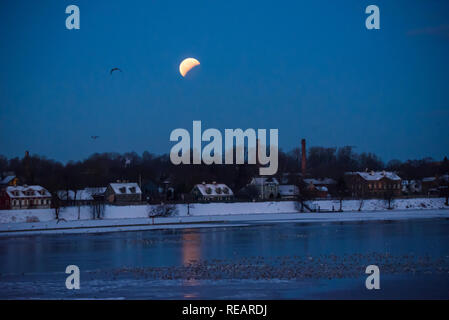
{"x":95,"y":137}
{"x":115,"y":69}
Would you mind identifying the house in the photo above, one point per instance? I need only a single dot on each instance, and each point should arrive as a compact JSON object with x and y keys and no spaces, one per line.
{"x":8,"y":179}
{"x":151,"y":190}
{"x":212,"y":192}
{"x":429,"y":185}
{"x":162,"y":190}
{"x":411,"y":186}
{"x":435,"y":185}
{"x":373,"y":183}
{"x":81,"y":197}
{"x":267,"y":187}
{"x":25,"y":197}
{"x":327,"y":185}
{"x":288,"y":191}
{"x":123,"y":193}
{"x":314,"y":191}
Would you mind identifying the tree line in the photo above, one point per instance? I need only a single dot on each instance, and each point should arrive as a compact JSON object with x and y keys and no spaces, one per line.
{"x":99,"y":169}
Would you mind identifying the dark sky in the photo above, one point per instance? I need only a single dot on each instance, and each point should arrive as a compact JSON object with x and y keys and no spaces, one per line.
{"x":309,"y":68}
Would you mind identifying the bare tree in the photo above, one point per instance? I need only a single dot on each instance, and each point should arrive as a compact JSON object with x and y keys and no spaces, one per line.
{"x":361,"y":203}
{"x":341,"y":191}
{"x":97,"y":206}
{"x":389,"y":199}
{"x":189,"y":206}
{"x":56,"y":204}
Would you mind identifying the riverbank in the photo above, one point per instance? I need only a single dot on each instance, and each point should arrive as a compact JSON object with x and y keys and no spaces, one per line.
{"x":207,"y":209}
{"x":133,"y":218}
{"x":210,"y":221}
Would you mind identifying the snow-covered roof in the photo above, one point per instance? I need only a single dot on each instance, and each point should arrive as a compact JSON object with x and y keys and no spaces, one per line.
{"x":89,"y":192}
{"x":264,"y":180}
{"x":214,"y":189}
{"x":410,"y":182}
{"x":7,"y":179}
{"x":81,"y":195}
{"x":288,"y":190}
{"x":66,"y":195}
{"x":325,"y":181}
{"x":429,"y":179}
{"x":126,"y":188}
{"x":376,"y":175}
{"x":324,"y":189}
{"x":21,"y":192}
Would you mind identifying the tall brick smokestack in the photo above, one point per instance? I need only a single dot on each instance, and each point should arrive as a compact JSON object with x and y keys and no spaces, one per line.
{"x":303,"y":159}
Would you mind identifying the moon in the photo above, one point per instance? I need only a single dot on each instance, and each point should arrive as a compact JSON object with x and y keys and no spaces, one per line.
{"x":186,"y":65}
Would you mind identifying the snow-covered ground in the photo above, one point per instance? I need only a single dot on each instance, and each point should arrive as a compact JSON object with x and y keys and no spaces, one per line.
{"x":213,"y":209}
{"x":130,"y":218}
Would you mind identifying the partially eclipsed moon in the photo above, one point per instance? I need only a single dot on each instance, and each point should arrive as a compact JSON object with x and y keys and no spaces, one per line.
{"x":187,"y":64}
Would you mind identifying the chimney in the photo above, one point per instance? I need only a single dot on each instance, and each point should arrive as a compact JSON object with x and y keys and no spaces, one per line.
{"x":303,"y":160}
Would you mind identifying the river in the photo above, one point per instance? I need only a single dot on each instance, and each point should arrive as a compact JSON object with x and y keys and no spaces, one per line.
{"x":270,"y":261}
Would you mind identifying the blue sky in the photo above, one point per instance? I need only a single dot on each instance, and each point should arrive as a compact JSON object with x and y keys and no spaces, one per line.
{"x":309,"y":68}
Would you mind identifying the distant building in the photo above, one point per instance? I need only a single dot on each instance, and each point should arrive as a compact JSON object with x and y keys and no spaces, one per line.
{"x":411,"y":186}
{"x":84,"y":196}
{"x":430,"y":185}
{"x":288,"y":191}
{"x":123,"y":193}
{"x":151,"y":190}
{"x":25,"y":197}
{"x":314,"y":191}
{"x":327,"y":185}
{"x":267,"y":187}
{"x":435,"y":186}
{"x":8,"y":179}
{"x":212,"y":192}
{"x":373,"y":183}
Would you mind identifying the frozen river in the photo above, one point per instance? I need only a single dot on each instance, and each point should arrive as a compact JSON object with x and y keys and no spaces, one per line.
{"x":268,"y":261}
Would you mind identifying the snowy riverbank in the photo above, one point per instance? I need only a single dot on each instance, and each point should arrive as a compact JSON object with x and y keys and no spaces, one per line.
{"x":131,"y":218}
{"x":214,"y":209}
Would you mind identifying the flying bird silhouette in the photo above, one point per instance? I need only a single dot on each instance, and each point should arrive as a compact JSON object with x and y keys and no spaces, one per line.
{"x":115,"y":69}
{"x":95,"y":137}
